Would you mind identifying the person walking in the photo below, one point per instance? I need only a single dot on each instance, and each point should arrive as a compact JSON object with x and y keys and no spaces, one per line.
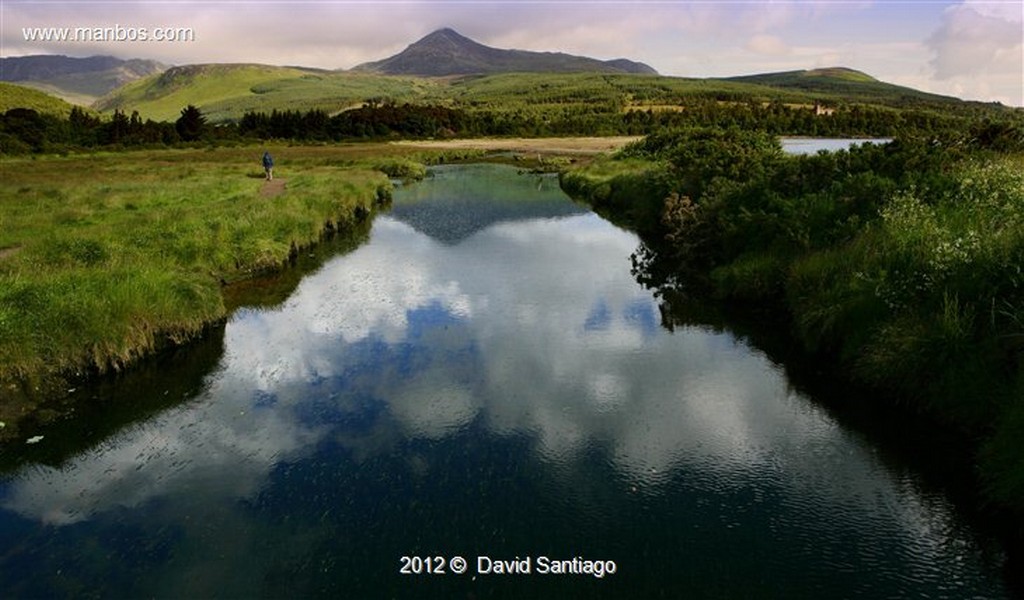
{"x":268,"y":165}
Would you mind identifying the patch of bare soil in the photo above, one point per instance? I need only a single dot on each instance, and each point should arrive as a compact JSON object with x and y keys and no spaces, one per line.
{"x":10,"y":251}
{"x":274,"y":187}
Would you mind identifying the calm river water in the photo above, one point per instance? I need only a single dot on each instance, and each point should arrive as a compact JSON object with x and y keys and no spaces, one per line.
{"x":481,"y":379}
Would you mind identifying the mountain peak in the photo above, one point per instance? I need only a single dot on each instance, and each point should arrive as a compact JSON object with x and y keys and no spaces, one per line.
{"x":445,"y":40}
{"x":447,"y":52}
{"x":844,"y":73}
{"x":445,"y":33}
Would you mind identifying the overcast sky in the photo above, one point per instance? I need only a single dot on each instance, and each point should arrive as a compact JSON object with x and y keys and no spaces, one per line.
{"x":967,"y":48}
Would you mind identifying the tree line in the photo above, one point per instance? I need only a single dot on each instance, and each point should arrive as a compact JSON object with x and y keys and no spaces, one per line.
{"x":26,"y":131}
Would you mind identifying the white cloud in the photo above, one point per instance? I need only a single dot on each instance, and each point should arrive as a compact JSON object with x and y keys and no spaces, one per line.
{"x":972,"y":43}
{"x":978,"y":51}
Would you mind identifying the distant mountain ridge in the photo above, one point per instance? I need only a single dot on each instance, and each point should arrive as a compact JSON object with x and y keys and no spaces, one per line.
{"x":78,"y":80}
{"x":447,"y":52}
{"x":442,"y":68}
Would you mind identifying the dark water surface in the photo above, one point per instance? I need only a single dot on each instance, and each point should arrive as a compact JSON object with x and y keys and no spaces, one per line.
{"x":483,"y":377}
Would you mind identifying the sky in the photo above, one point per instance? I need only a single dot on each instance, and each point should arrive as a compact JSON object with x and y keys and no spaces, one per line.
{"x":972,"y":49}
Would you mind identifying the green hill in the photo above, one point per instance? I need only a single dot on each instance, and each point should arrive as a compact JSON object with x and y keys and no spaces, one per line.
{"x":225,"y":92}
{"x":17,"y":96}
{"x":840,"y":84}
{"x":513,"y":91}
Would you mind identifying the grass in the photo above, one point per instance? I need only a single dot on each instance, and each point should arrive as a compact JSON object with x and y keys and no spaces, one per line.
{"x":104,"y":258}
{"x":18,"y":96}
{"x":226,"y":92}
{"x":913,"y":285}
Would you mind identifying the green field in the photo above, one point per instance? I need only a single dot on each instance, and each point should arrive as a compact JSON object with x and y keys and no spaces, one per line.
{"x":105,"y":257}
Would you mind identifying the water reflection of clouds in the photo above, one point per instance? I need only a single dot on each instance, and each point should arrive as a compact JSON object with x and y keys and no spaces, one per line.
{"x":440,"y":334}
{"x":532,"y":330}
{"x":522,"y":327}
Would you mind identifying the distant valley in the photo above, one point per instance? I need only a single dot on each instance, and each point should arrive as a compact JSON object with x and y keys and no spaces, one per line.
{"x":77,"y":80}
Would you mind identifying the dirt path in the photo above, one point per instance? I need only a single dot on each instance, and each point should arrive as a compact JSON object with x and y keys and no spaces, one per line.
{"x":569,"y":145}
{"x":272,"y":188}
{"x":9,"y":251}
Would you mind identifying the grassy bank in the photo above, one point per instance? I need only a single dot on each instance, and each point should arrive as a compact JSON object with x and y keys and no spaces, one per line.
{"x":105,"y":257}
{"x":902,"y":263}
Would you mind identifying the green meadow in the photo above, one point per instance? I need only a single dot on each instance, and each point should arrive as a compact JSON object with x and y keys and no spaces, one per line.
{"x":106,"y":257}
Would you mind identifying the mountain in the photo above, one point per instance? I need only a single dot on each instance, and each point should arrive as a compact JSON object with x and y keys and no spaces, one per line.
{"x":505,"y":81}
{"x":77,"y":80}
{"x":446,"y":52}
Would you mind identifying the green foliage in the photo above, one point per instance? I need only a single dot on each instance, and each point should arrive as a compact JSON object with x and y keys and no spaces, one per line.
{"x":755,"y":277}
{"x":402,"y":169}
{"x":903,"y":261}
{"x":699,"y":157}
{"x":628,"y":191}
{"x":17,"y":96}
{"x":110,"y":256}
{"x":830,"y":299}
{"x":190,"y":125}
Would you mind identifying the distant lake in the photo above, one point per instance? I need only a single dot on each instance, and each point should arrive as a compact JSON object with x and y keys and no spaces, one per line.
{"x":801,"y":145}
{"x":481,"y":379}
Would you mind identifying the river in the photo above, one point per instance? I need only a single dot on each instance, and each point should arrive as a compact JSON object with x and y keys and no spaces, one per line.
{"x":482,"y":379}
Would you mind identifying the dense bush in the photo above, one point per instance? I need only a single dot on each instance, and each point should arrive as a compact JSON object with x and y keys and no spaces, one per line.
{"x":904,"y":262}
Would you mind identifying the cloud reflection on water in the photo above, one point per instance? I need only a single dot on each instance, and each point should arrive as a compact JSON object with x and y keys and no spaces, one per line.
{"x":650,"y":397}
{"x":527,"y":329}
{"x":493,"y":330}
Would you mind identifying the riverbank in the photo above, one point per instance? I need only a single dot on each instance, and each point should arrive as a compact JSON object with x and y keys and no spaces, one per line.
{"x":900,"y":264}
{"x":107,"y":258}
{"x":110,"y":257}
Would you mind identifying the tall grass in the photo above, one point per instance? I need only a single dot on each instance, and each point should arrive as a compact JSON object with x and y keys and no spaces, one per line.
{"x":905,"y":266}
{"x":104,"y":258}
{"x":929,"y":303}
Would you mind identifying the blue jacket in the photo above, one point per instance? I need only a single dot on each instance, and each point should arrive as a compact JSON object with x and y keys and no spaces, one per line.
{"x":267,"y":161}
